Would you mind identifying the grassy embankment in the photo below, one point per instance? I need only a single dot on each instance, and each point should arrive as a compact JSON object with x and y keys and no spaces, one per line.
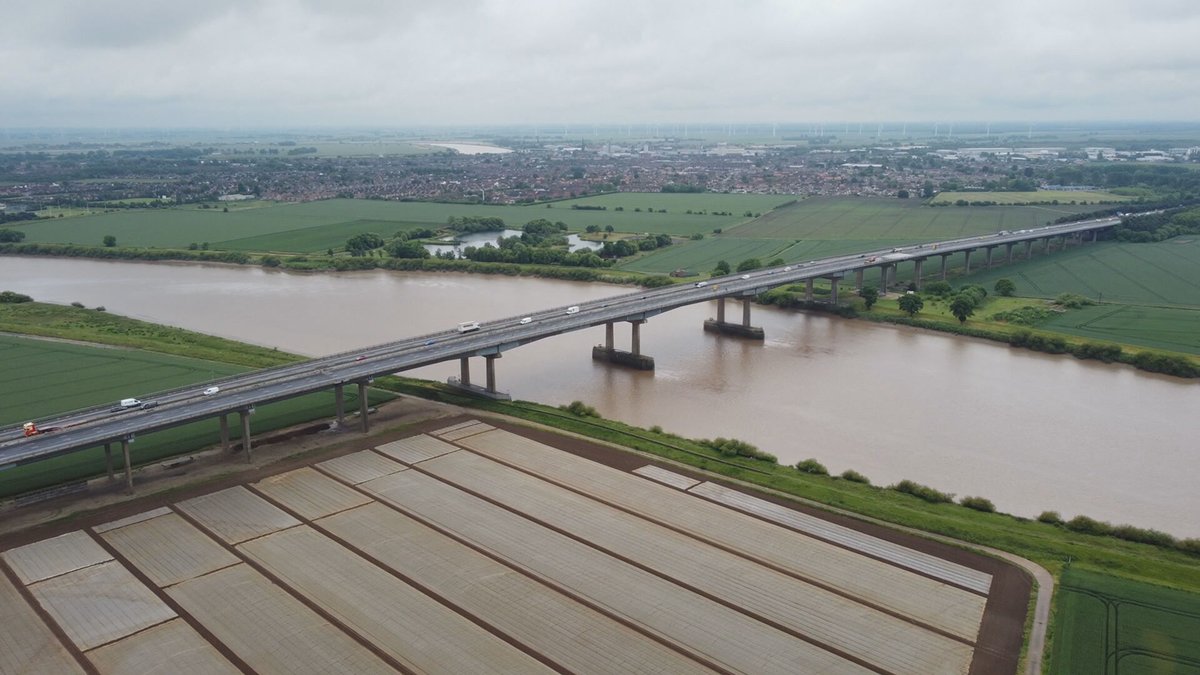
{"x":46,"y":377}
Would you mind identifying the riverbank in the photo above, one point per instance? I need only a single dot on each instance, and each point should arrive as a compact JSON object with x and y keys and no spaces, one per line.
{"x":937,"y":317}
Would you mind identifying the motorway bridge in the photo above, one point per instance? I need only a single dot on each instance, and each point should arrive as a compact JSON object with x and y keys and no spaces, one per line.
{"x":240,"y":394}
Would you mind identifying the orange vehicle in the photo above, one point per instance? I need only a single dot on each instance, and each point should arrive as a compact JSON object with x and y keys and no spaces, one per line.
{"x":31,"y":429}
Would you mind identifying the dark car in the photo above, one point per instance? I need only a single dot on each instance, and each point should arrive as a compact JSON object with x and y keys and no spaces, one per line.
{"x":149,"y":405}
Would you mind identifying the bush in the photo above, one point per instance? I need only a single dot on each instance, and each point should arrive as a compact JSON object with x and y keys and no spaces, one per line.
{"x":1050,"y":518}
{"x":1072,"y":300}
{"x":12,"y":298}
{"x":812,"y":466}
{"x":101,"y":309}
{"x":656,"y":429}
{"x":923,"y":492}
{"x":1143,"y":536}
{"x":731,"y":447}
{"x":939,"y":289}
{"x":580,"y":408}
{"x":77,"y":304}
{"x":1086,"y":525}
{"x":978,"y":503}
{"x":1189,"y":546}
{"x":855,"y":477}
{"x":271,"y":261}
{"x":1005,"y":287}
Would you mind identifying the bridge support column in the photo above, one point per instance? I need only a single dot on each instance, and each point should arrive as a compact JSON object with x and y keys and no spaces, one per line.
{"x":720,"y":310}
{"x":967,"y":265}
{"x":917,"y":265}
{"x":128,"y":464}
{"x":945,"y":257}
{"x":833,"y":290}
{"x":464,"y":371}
{"x":858,"y":279}
{"x":608,"y":335}
{"x":808,"y":290}
{"x":339,"y":403}
{"x":633,"y":358}
{"x":1008,"y":253}
{"x":987,"y":257}
{"x":224,"y":433}
{"x":245,"y":416}
{"x":743,"y":329}
{"x":363,"y":404}
{"x":1028,"y":249}
{"x":490,"y":360}
{"x":1094,"y":233}
{"x":883,"y":279}
{"x":108,"y":463}
{"x":1046,"y":244}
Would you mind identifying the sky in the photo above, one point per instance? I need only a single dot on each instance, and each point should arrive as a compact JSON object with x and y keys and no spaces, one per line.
{"x":394,"y":63}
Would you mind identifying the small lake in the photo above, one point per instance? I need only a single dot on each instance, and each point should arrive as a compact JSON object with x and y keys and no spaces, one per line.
{"x":471,"y":148}
{"x":574,"y":243}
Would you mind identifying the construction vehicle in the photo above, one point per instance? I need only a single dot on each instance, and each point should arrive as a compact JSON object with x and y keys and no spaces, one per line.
{"x":31,"y":429}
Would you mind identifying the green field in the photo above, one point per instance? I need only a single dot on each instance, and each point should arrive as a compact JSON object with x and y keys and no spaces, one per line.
{"x":1160,"y":274}
{"x":1041,"y":196}
{"x":46,"y":377}
{"x":905,"y":220}
{"x":702,"y":256}
{"x":1111,"y":626}
{"x":680,"y":203}
{"x":327,"y":220}
{"x":1169,"y":328}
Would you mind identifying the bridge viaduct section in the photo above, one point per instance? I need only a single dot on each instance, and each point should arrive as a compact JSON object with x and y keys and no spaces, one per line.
{"x":240,"y":394}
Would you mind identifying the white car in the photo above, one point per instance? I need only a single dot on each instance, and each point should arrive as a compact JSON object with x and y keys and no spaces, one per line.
{"x":788,"y":268}
{"x":211,"y":390}
{"x":574,"y":309}
{"x":526,"y":320}
{"x":745,"y":276}
{"x":701,"y":284}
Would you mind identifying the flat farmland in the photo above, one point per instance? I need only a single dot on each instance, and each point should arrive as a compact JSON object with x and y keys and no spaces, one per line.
{"x":1062,"y":196}
{"x":1110,"y":626}
{"x":44,"y":377}
{"x":681,"y":202}
{"x":1173,"y":329}
{"x":907,"y":220}
{"x":702,"y":256}
{"x":317,"y":239}
{"x":375,"y":563}
{"x":1161,"y":274}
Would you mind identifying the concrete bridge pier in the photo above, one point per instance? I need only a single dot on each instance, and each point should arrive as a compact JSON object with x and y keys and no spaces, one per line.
{"x":883,"y":278}
{"x":363,"y":404}
{"x":245,"y":414}
{"x":967,"y":264}
{"x":224,"y":433}
{"x":463,"y":382}
{"x":1094,"y":233}
{"x":1028,"y":249}
{"x":833,"y":289}
{"x":108,"y":463}
{"x":1008,"y":253}
{"x":945,"y":257}
{"x":917,"y":265}
{"x":808,"y":290}
{"x":744,"y":329}
{"x":128,"y":463}
{"x":858,"y":279}
{"x":339,"y":403}
{"x":634,"y":357}
{"x":987,"y":257}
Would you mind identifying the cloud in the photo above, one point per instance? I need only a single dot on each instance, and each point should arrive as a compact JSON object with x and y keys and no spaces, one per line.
{"x":361,"y":62}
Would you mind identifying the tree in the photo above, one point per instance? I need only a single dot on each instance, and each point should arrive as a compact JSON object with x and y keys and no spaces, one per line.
{"x":749,"y":264}
{"x":911,"y":303}
{"x":903,"y":194}
{"x":407,"y":249}
{"x":870,"y":296}
{"x":927,"y":189}
{"x":13,"y":236}
{"x":110,"y":240}
{"x":722,"y":269}
{"x":361,"y":243}
{"x":1005,"y":287}
{"x":775,"y":263}
{"x":608,"y":228}
{"x":962,"y":307}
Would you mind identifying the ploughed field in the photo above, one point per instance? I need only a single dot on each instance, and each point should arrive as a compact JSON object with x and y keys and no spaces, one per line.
{"x":475,"y":549}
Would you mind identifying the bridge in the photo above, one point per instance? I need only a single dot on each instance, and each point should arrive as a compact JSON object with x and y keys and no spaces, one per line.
{"x":240,"y":394}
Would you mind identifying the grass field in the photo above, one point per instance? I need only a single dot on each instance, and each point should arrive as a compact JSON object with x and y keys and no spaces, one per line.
{"x":1062,"y":196}
{"x":1169,"y":328}
{"x":702,"y":256}
{"x":1111,"y":626}
{"x":1161,"y":274}
{"x":905,"y":220}
{"x":42,"y":378}
{"x":680,"y":203}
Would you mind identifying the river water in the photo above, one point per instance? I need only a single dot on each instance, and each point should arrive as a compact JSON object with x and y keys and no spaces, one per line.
{"x":1029,"y":431}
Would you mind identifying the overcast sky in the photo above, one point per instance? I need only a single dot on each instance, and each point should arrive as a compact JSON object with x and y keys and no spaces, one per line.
{"x":290,"y":63}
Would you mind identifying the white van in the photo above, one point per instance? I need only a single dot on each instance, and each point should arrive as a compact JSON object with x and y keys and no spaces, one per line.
{"x":130,"y":403}
{"x":468,"y":326}
{"x":573,"y":309}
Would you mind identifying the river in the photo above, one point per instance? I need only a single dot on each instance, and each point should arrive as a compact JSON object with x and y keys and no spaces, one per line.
{"x":1029,"y":431}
